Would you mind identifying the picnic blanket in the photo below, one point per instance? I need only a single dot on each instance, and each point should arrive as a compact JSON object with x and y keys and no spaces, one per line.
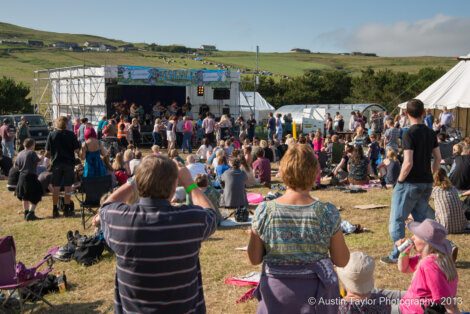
{"x":230,"y":222}
{"x":251,"y":279}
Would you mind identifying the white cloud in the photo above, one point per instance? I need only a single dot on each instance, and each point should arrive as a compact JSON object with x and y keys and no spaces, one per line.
{"x":440,"y":35}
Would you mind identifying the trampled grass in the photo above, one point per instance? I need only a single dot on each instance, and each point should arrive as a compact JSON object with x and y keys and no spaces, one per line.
{"x":92,"y":288}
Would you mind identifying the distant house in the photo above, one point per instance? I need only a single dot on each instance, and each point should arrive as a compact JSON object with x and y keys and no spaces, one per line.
{"x":35,"y":43}
{"x":364,"y":54}
{"x":65,"y":45}
{"x":92,"y":44}
{"x":12,"y":42}
{"x":300,"y":50}
{"x":208,"y":48}
{"x":107,"y":48}
{"x":127,"y":47}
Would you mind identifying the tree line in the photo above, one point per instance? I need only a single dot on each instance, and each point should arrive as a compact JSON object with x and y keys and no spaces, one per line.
{"x":384,"y":87}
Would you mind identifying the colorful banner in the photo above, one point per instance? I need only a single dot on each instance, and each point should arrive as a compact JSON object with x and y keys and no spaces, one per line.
{"x":138,"y":75}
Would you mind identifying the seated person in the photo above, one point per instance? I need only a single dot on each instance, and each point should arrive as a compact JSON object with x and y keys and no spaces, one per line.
{"x":212,"y":194}
{"x":119,"y":169}
{"x":449,"y":209}
{"x":234,"y":181}
{"x":195,"y":168}
{"x":357,"y":278}
{"x":268,"y":152}
{"x":222,"y":166}
{"x":134,"y":163}
{"x":358,"y":167}
{"x":175,"y":156}
{"x":205,"y":150}
{"x":5,"y":164}
{"x":434,"y":273}
{"x":389,"y":169}
{"x":460,"y":176}
{"x":45,"y":178}
{"x":262,"y":168}
{"x":341,"y":170}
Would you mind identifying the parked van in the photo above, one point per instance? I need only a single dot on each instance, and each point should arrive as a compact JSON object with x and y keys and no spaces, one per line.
{"x":38,"y":127}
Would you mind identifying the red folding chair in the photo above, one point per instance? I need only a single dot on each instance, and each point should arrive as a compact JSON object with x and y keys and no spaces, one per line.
{"x":13,"y":282}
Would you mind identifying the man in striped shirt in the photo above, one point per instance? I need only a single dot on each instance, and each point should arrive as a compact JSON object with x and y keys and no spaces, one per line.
{"x":157,"y":245}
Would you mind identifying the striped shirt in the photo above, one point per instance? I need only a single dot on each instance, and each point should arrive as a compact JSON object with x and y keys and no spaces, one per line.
{"x":157,"y":251}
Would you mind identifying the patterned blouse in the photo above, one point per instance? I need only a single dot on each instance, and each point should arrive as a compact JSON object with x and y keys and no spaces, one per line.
{"x":449,"y":209}
{"x":296,"y":234}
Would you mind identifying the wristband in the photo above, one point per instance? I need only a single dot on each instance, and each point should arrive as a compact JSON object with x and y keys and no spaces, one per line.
{"x":403,"y":254}
{"x":191,"y":187}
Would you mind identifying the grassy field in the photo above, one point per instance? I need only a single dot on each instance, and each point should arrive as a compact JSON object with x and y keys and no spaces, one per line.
{"x":92,"y":288}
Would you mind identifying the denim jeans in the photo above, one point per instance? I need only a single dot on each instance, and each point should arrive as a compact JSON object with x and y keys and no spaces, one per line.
{"x":8,"y":149}
{"x":408,"y":198}
{"x":157,"y":139}
{"x":187,"y":142}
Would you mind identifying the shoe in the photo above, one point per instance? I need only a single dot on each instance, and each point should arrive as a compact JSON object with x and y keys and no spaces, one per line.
{"x":55,"y":213}
{"x":31,"y":216}
{"x":388,"y":260}
{"x":455,"y":252}
{"x":25,"y":213}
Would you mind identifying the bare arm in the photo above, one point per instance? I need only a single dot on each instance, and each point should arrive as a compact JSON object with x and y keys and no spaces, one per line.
{"x":339,"y":251}
{"x":197,"y":196}
{"x":122,"y":194}
{"x":407,"y":165}
{"x":83,"y":152}
{"x":255,"y":248}
{"x":436,"y":164}
{"x":339,"y":166}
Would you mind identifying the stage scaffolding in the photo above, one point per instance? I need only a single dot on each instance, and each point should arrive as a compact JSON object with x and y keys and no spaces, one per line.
{"x":78,"y":91}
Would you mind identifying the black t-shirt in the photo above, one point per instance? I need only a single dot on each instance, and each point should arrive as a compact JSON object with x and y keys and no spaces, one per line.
{"x":268,"y":153}
{"x":460,"y":177}
{"x":421,"y":140}
{"x":251,"y":124}
{"x":62,"y":144}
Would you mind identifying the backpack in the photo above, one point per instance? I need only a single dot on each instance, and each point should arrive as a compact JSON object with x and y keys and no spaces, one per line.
{"x":88,"y":250}
{"x":241,"y":214}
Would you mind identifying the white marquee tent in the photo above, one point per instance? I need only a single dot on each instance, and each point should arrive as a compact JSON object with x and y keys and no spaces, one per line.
{"x":452,"y":90}
{"x":259,"y":106}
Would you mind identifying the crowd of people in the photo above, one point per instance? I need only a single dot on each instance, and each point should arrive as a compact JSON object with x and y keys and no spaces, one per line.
{"x":162,"y":200}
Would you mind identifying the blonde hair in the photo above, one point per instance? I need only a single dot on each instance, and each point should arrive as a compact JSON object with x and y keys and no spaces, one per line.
{"x":263,"y":144}
{"x":128,"y":155}
{"x":61,"y":123}
{"x":444,"y":261}
{"x":155,"y":148}
{"x":299,"y":167}
{"x":118,"y":162}
{"x":457,"y":149}
{"x":173,"y":153}
{"x":391,"y":154}
{"x":156,"y":177}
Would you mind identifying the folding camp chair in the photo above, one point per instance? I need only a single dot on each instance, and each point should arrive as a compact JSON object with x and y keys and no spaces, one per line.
{"x":90,"y":193}
{"x":12,"y":282}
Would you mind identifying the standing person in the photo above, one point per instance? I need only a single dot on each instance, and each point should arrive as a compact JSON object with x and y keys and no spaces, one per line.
{"x":101,"y":125}
{"x":22,"y":133}
{"x":279,"y":127}
{"x":110,"y":130}
{"x":429,"y":119}
{"x":352,"y":121}
{"x":414,"y":185}
{"x":187,"y":134}
{"x":179,"y":131}
{"x":8,"y":139}
{"x":134,"y":131}
{"x":81,"y":130}
{"x":208,"y":125}
{"x":446,"y":118}
{"x":76,"y":126}
{"x":122,"y":131}
{"x":242,"y":126}
{"x":391,"y":136}
{"x":251,"y":123}
{"x":199,"y":129}
{"x":375,"y":123}
{"x":150,"y":225}
{"x":60,"y":147}
{"x":69,"y":122}
{"x":158,"y":127}
{"x":298,"y":239}
{"x":328,"y":125}
{"x":91,"y":153}
{"x":288,"y":123}
{"x":171,"y":133}
{"x":373,"y":153}
{"x":224,"y":127}
{"x":271,"y":126}
{"x":29,"y":189}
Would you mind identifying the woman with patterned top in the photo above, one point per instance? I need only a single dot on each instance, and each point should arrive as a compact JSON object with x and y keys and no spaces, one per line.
{"x":450,"y":211}
{"x":298,"y":239}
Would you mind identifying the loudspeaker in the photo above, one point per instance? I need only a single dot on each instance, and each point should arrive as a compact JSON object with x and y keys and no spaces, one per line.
{"x":221,"y":93}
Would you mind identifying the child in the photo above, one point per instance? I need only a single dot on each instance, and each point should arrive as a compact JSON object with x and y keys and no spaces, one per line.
{"x":175,"y":156}
{"x":205,"y":150}
{"x":212,"y":194}
{"x":374,"y":152}
{"x":44,"y":162}
{"x":357,"y":277}
{"x":156,"y":150}
{"x":317,"y":142}
{"x":389,"y":168}
{"x":29,"y":189}
{"x":450,"y":211}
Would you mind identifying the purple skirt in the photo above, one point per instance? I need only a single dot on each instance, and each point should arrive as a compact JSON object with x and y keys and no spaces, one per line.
{"x":309,"y":288}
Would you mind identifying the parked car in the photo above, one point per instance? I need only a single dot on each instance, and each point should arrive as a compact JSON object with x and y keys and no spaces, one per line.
{"x":38,"y":127}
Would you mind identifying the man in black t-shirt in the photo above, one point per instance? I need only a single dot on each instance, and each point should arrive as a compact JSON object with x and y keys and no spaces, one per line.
{"x":421,"y":158}
{"x":251,"y":127}
{"x":61,"y":146}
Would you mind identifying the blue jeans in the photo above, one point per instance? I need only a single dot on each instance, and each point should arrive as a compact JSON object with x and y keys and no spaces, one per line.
{"x":8,"y":149}
{"x":187,"y":141}
{"x":157,"y":139}
{"x":408,"y":198}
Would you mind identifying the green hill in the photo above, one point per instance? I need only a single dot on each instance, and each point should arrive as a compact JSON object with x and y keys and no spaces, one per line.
{"x":19,"y":61}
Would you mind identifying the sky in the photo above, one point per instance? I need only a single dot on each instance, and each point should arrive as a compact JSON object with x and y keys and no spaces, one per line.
{"x":388,"y":28}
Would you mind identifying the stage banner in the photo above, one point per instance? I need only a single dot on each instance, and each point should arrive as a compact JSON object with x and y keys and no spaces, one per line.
{"x":138,"y":75}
